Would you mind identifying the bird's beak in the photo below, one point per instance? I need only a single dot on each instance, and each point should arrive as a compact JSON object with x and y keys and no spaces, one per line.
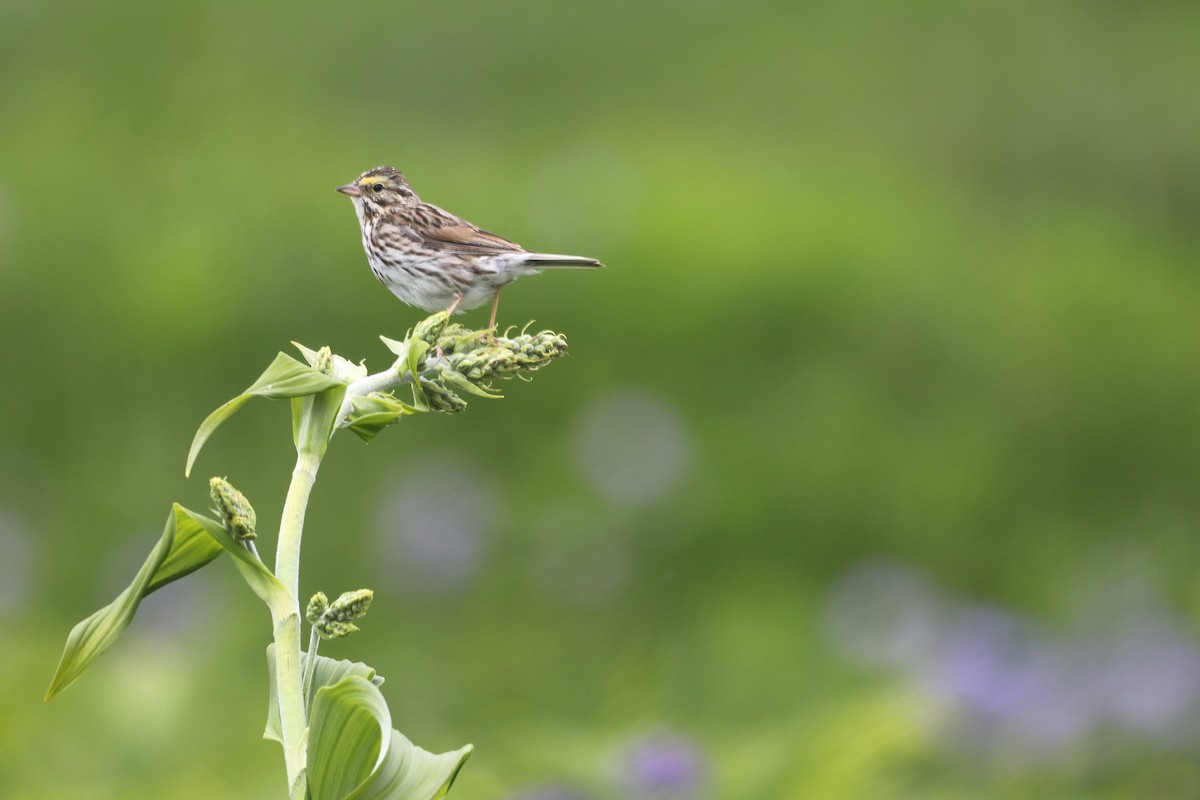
{"x":351,"y":189}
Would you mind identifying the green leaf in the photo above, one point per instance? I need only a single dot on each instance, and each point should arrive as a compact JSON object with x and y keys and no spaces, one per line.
{"x":368,"y":426}
{"x":354,"y":754}
{"x":314,"y":417}
{"x":416,"y":350}
{"x":256,"y":574}
{"x":327,"y":671}
{"x":397,"y":347}
{"x":190,"y":549}
{"x":286,"y":377}
{"x":455,"y":380}
{"x":344,"y":370}
{"x":188,"y":542}
{"x":369,"y":414}
{"x":173,"y":557}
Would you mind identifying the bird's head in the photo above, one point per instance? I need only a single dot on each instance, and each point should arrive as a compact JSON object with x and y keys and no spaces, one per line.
{"x":381,"y":187}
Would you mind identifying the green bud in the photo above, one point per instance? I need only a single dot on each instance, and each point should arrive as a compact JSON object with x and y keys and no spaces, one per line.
{"x":350,"y":605}
{"x":329,"y":363}
{"x":335,"y":620}
{"x":479,"y":365}
{"x":442,"y":399}
{"x":323,"y":361}
{"x":460,"y":339}
{"x":233,"y":508}
{"x":532,"y":351}
{"x":429,"y":329}
{"x":317,"y":606}
{"x":333,"y":629}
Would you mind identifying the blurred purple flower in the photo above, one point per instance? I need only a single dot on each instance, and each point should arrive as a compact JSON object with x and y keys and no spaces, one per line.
{"x":1010,"y":687}
{"x":16,"y":562}
{"x":1148,"y":677}
{"x":632,"y":447}
{"x":431,"y":525}
{"x":975,"y":661}
{"x":663,"y":765}
{"x":884,"y":614}
{"x":549,"y":793}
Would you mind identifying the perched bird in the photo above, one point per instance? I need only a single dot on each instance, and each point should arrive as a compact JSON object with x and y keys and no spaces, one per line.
{"x":430,"y":258}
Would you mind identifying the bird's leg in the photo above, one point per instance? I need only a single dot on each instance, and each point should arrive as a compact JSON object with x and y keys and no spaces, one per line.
{"x":458,"y":298}
{"x":492,"y":319}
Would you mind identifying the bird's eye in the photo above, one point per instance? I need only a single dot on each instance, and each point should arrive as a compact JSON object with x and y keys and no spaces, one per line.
{"x":376,"y":187}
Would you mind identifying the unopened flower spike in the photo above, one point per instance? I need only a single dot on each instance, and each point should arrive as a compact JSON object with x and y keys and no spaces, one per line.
{"x":329,"y":363}
{"x":442,"y":399}
{"x":479,"y":365}
{"x":332,"y":629}
{"x":429,"y":329}
{"x":460,"y":339}
{"x":335,"y":620}
{"x":532,"y":351}
{"x":233,"y":508}
{"x":323,"y":361}
{"x":316,"y":607}
{"x":350,"y":605}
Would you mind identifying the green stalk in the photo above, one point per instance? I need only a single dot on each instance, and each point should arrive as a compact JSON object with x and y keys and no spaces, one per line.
{"x":291,"y":528}
{"x":310,"y":664}
{"x":288,"y":678}
{"x":291,"y":702}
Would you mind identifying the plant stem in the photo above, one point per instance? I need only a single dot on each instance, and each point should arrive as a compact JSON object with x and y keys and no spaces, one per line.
{"x":393,"y":377}
{"x":291,"y":701}
{"x":291,"y":528}
{"x":310,"y":663}
{"x":288,"y":678}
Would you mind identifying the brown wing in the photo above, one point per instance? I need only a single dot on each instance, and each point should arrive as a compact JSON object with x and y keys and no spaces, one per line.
{"x":441,"y":230}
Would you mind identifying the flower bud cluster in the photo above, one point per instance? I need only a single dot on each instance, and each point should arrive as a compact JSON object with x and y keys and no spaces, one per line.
{"x":443,"y":362}
{"x":532,"y":351}
{"x":233,"y":508}
{"x":442,"y":399}
{"x":317,"y":606}
{"x":429,"y":329}
{"x":327,"y":362}
{"x":335,"y":620}
{"x":479,"y":365}
{"x":463,"y":360}
{"x":323,"y":361}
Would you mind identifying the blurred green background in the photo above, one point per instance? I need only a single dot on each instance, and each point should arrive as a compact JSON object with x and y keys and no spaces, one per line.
{"x":872,"y":471}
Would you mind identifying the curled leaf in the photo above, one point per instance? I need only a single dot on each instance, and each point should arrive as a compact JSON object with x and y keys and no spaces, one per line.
{"x":189,"y":541}
{"x":354,"y":754}
{"x":326,"y":671}
{"x":369,"y":414}
{"x":286,"y":377}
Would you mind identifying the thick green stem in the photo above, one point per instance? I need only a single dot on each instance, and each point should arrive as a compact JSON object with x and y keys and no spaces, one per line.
{"x":291,"y":528}
{"x":393,"y":377}
{"x":291,"y":700}
{"x":288,"y":678}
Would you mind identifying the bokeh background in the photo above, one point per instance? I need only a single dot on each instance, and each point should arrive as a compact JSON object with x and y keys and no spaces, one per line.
{"x":872,"y":472}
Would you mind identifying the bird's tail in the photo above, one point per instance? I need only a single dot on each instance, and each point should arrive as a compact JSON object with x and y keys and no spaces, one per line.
{"x":551,"y":260}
